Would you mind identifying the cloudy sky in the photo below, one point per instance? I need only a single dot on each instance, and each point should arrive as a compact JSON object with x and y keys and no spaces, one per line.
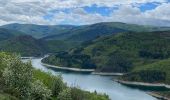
{"x":80,"y":12}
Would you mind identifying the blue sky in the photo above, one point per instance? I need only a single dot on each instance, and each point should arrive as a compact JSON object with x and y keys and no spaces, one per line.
{"x":80,"y":12}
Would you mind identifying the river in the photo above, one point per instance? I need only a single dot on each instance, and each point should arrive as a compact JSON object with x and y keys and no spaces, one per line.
{"x":102,"y":84}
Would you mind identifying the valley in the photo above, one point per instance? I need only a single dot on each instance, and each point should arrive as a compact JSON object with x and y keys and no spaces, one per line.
{"x":134,"y":53}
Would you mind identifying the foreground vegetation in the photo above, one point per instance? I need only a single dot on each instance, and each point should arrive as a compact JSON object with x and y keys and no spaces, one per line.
{"x":20,"y":81}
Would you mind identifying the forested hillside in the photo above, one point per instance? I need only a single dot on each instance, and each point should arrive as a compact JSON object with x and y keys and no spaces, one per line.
{"x":39,"y":31}
{"x":24,"y":45}
{"x":6,"y":33}
{"x":119,"y":53}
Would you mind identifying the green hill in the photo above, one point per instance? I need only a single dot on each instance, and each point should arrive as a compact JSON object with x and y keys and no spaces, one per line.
{"x":6,"y":33}
{"x":24,"y":45}
{"x":158,"y":72}
{"x":90,"y":32}
{"x":64,"y":37}
{"x":119,"y":53}
{"x":122,"y":52}
{"x":79,"y":33}
{"x":39,"y":31}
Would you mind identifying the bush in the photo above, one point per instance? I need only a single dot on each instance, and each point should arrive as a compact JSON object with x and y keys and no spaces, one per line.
{"x":65,"y":94}
{"x":57,"y":85}
{"x":18,"y":76}
{"x":39,"y":91}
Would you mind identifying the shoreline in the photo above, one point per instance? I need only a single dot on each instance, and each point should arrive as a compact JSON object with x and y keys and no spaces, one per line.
{"x":107,"y":74}
{"x":30,"y":57}
{"x":92,"y":71}
{"x":143,"y":84}
{"x":152,"y":85}
{"x":68,"y":69}
{"x":158,"y":96}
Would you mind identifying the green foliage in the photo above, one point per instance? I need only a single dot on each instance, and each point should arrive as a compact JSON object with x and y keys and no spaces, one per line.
{"x":89,"y":32}
{"x":116,"y":53}
{"x":6,"y":34}
{"x":64,"y":59}
{"x":18,"y":76}
{"x":17,"y":79}
{"x":122,"y":52}
{"x":7,"y":97}
{"x":24,"y":45}
{"x":158,"y":72}
{"x":39,"y":91}
{"x":65,"y":95}
{"x":78,"y":94}
{"x":20,"y":81}
{"x":39,"y":31}
{"x":57,"y":86}
{"x":59,"y":45}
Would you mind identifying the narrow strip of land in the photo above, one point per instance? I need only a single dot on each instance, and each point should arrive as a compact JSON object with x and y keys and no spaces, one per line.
{"x":107,"y":74}
{"x":156,"y":95}
{"x":69,"y":69}
{"x":144,"y":84}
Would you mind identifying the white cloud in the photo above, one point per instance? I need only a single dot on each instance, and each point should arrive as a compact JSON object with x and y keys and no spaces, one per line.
{"x":32,"y":11}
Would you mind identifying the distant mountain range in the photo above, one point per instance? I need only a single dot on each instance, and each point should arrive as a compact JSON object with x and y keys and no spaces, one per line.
{"x":39,"y":31}
{"x":61,"y":37}
{"x":79,"y":33}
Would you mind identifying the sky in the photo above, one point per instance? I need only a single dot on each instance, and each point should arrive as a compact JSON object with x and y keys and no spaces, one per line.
{"x":82,"y":12}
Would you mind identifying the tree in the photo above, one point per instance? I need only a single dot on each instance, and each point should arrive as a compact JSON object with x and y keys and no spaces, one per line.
{"x":18,"y":76}
{"x":39,"y":91}
{"x":57,"y":85}
{"x":65,"y":94}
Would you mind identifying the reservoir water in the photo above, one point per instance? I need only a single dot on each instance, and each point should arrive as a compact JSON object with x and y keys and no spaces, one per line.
{"x":102,"y":84}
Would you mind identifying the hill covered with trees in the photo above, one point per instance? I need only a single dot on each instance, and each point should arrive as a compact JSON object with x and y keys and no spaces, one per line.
{"x":25,"y":45}
{"x":119,"y":53}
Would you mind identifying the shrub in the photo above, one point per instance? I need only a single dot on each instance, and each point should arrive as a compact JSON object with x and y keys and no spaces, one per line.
{"x":18,"y":76}
{"x":57,"y":85}
{"x":65,"y":94}
{"x":39,"y":91}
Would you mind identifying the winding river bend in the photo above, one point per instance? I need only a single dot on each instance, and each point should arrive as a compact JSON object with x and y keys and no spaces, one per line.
{"x":102,"y":84}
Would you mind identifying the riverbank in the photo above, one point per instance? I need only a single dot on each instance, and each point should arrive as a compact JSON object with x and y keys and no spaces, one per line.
{"x":157,"y":95}
{"x":97,"y":83}
{"x":92,"y":71}
{"x":144,"y":84}
{"x":68,"y":69}
{"x":152,"y":86}
{"x":107,"y":74}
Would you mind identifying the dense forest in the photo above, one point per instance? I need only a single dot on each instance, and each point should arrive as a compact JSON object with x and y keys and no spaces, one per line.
{"x":42,"y":39}
{"x":20,"y":81}
{"x":117,"y":53}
